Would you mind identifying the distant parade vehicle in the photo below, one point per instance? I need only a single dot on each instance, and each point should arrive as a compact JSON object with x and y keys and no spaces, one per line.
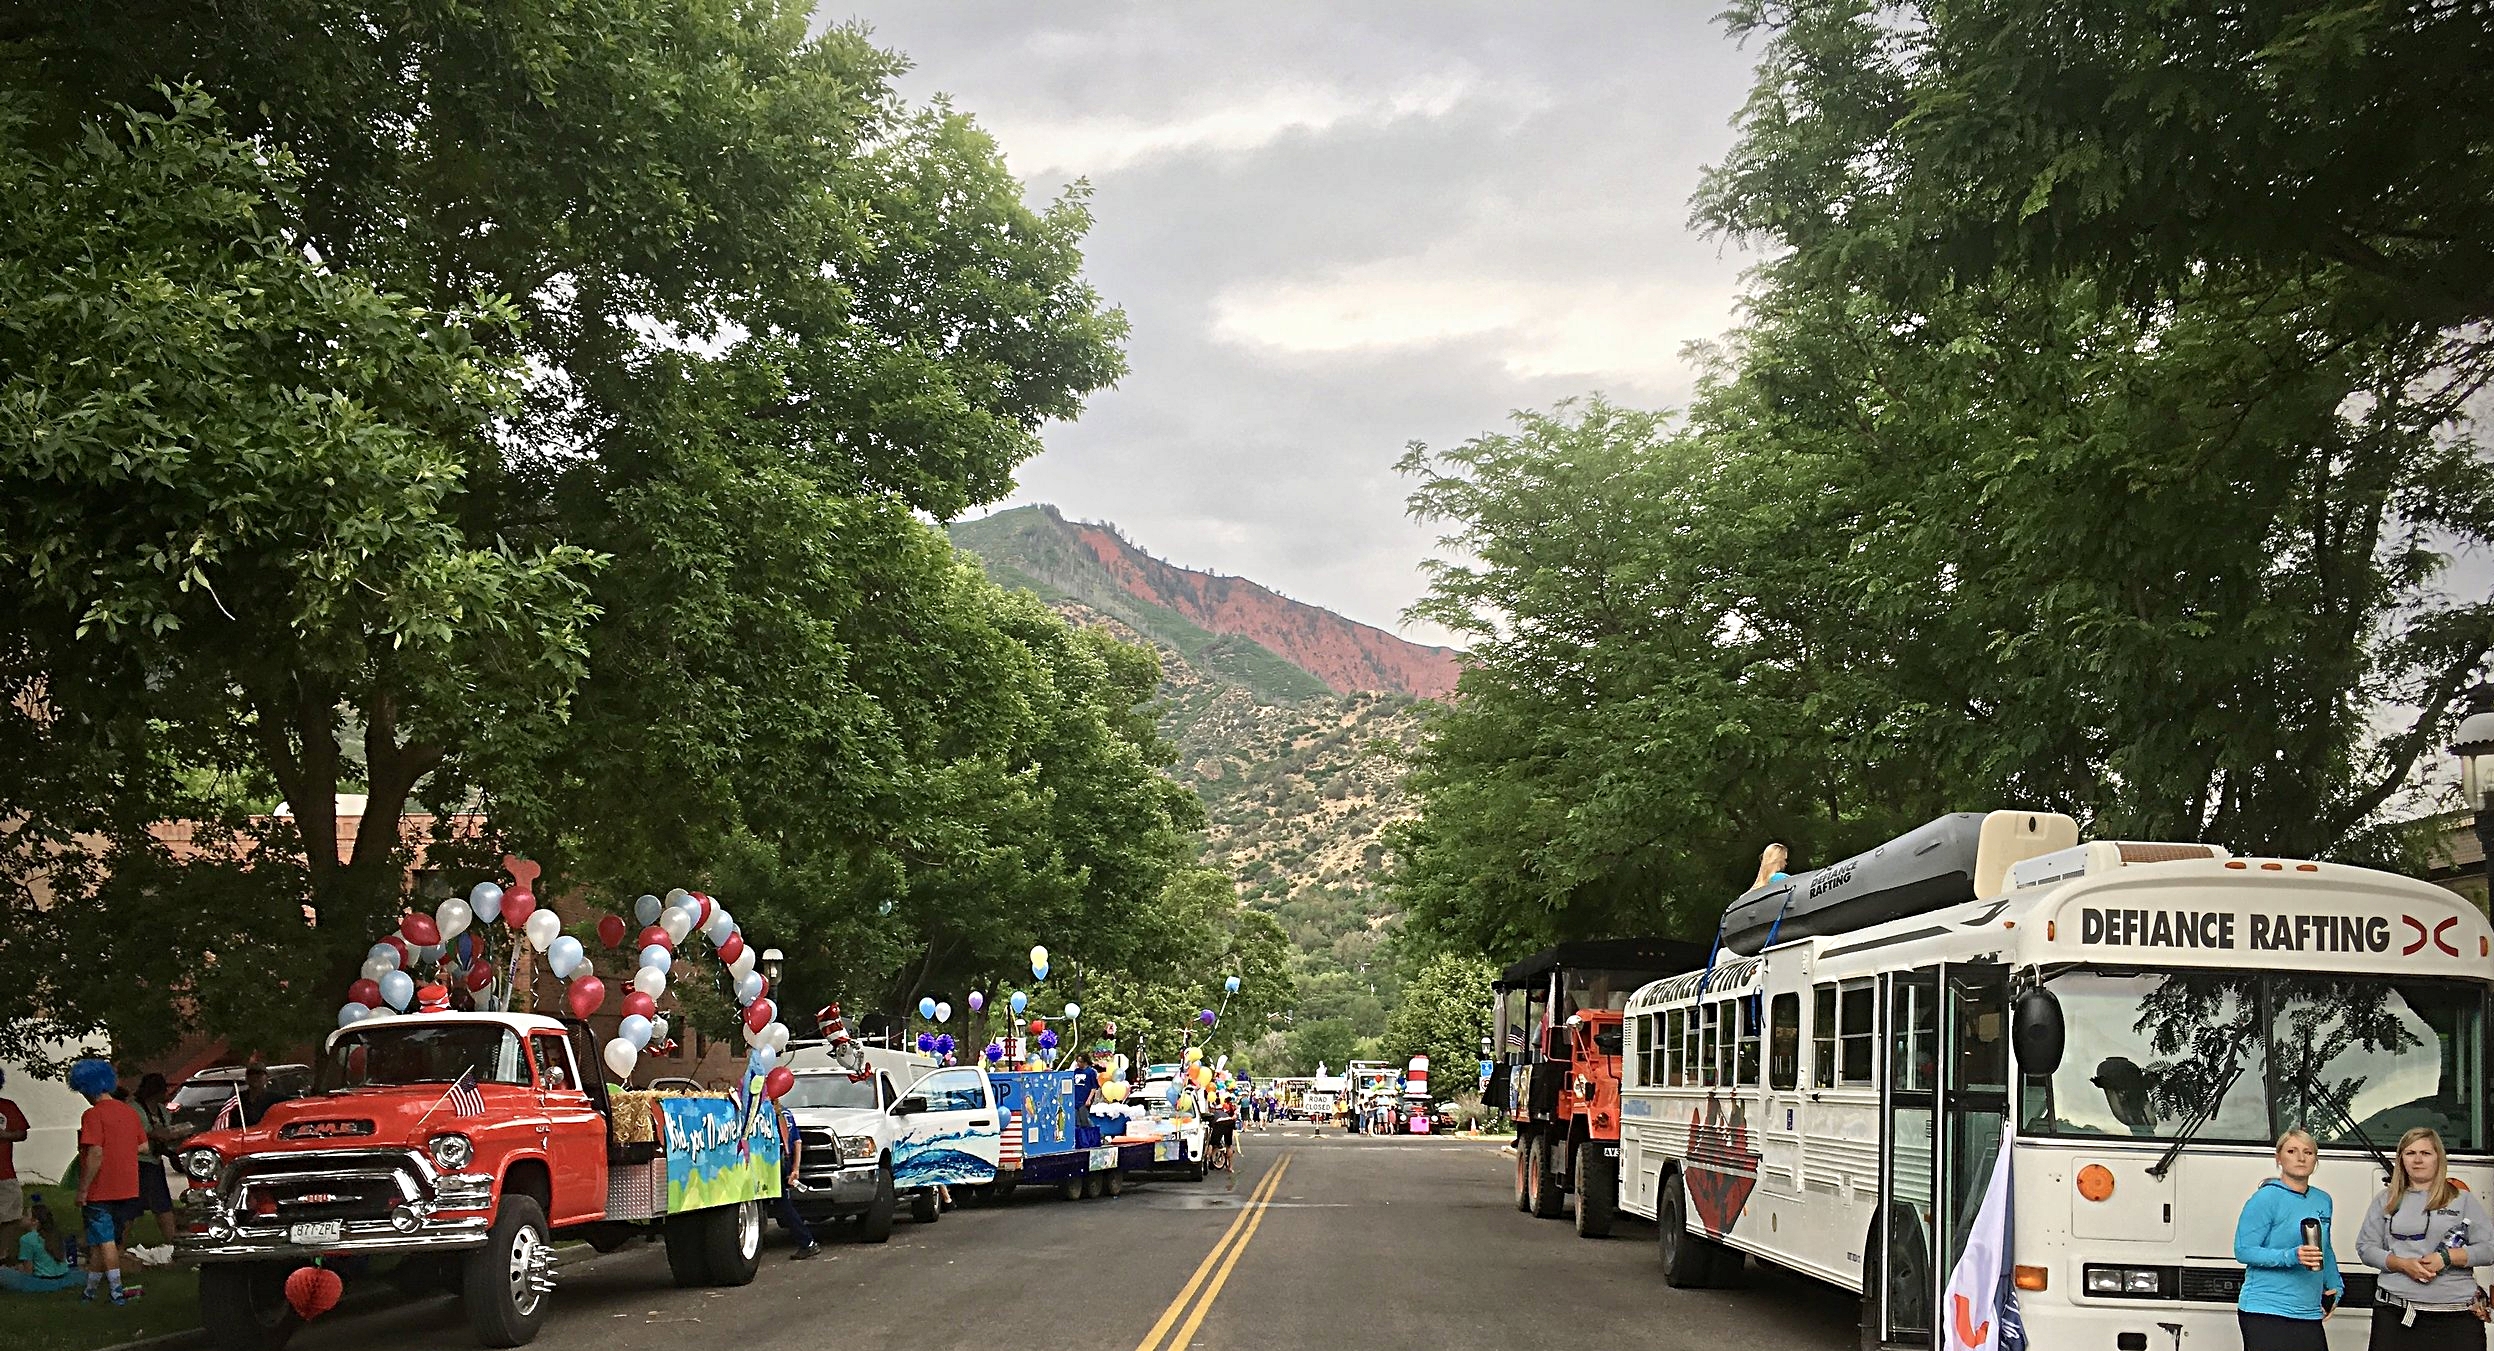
{"x":1986,"y":1072}
{"x":478,"y":1140}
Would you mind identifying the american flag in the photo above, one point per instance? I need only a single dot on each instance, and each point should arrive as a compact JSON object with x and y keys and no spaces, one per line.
{"x":1515,"y":1039}
{"x":230,"y":1115}
{"x":464,"y":1099}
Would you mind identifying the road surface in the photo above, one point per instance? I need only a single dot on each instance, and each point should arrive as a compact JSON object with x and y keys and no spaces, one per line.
{"x":1406,"y":1244}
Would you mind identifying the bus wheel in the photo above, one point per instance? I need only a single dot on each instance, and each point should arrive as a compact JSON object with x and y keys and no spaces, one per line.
{"x":1597,"y":1192}
{"x":1686,"y":1263}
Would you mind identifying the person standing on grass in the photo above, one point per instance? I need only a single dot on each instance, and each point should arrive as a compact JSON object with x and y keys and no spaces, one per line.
{"x":156,"y":1163}
{"x":110,"y":1136}
{"x":13,"y":1128}
{"x":2291,"y":1281}
{"x":2425,"y":1238}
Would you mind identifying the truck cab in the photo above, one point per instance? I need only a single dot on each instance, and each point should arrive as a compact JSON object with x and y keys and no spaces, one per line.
{"x":845,"y":1119}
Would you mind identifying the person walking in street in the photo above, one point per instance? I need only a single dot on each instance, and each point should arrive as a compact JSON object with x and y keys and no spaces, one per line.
{"x":13,"y":1128}
{"x":791,"y":1154}
{"x":156,"y":1117}
{"x":110,"y":1137}
{"x":2291,"y":1281}
{"x":2425,"y":1238}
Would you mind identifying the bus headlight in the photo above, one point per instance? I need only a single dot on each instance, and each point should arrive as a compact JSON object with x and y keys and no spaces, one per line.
{"x":451,"y":1152}
{"x":200,"y":1165}
{"x":2128,"y":1282}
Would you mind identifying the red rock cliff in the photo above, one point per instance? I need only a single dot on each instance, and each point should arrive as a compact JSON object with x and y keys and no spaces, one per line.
{"x":1345,"y":655}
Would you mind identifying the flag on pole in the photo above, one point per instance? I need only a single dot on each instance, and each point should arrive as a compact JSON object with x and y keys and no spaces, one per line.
{"x":230,"y":1115}
{"x":1979,"y":1307}
{"x":464,"y":1099}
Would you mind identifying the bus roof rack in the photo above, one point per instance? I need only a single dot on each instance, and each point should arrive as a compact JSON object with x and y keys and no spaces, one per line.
{"x":2102,"y":856}
{"x":1654,"y":953}
{"x":1956,"y":858}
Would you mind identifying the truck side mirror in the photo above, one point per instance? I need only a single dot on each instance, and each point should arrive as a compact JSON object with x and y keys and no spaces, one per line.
{"x":910,"y":1106}
{"x":2037,"y":1032}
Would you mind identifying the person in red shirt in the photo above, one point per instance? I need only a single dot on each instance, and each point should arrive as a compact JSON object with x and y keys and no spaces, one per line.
{"x":13,"y":1128}
{"x":110,"y":1136}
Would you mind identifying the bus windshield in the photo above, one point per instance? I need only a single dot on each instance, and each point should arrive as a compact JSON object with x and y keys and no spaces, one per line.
{"x":2349,"y":1058}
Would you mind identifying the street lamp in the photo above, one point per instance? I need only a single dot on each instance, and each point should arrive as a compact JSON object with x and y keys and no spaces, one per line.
{"x":771,"y":958}
{"x":2474,"y":745}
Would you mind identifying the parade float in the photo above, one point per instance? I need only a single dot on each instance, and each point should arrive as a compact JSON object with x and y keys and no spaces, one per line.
{"x":448,"y":1128}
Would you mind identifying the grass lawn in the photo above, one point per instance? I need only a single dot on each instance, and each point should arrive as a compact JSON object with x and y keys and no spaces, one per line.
{"x":59,"y":1322}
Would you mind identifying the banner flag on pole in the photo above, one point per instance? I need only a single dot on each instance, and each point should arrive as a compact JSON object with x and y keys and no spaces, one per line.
{"x":1979,"y":1307}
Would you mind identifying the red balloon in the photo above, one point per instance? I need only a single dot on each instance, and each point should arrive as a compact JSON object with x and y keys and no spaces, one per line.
{"x":735,"y":944}
{"x":1037,"y":1027}
{"x":653,"y":934}
{"x":637,"y":1002}
{"x":776,"y":1084}
{"x":419,"y":930}
{"x":517,"y":904}
{"x":406,"y":954}
{"x":758,"y":1014}
{"x":611,"y":930}
{"x":586,"y":994}
{"x":766,"y":989}
{"x":701,"y":914}
{"x":480,"y":974}
{"x":366,"y":993}
{"x":313,"y":1291}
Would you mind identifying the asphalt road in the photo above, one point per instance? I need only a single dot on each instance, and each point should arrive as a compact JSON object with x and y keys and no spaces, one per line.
{"x":1326,"y":1240}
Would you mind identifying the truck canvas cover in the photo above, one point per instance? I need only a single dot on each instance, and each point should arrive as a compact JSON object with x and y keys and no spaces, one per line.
{"x":1931,"y":866}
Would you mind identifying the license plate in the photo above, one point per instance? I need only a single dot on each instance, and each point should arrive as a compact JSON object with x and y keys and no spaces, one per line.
{"x":317,"y":1231}
{"x":1610,"y":1151}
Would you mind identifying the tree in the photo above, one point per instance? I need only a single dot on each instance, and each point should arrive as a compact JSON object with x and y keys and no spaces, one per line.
{"x":1444,"y":1014}
{"x":1327,"y":1042}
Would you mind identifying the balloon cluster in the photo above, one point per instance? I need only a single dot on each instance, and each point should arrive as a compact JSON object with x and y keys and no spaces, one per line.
{"x":451,"y":943}
{"x":666,"y":925}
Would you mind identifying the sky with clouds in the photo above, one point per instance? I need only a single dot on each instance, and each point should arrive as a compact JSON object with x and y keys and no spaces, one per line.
{"x":1337,"y":229}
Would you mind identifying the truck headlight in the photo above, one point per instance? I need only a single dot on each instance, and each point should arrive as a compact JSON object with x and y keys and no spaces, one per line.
{"x":200,"y":1165}
{"x":451,"y":1152}
{"x":858,"y":1149}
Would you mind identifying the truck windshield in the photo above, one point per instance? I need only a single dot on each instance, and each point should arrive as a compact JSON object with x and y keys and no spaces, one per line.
{"x":2350,"y":1058}
{"x":831,"y":1090}
{"x":433,"y":1053}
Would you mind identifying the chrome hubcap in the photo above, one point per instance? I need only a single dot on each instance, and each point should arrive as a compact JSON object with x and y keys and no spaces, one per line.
{"x":532,"y":1269}
{"x":749,"y":1229}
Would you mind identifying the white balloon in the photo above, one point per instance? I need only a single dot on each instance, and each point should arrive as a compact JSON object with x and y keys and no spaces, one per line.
{"x":382,"y":952}
{"x":646,"y":910}
{"x":748,"y":987}
{"x":485,"y":901}
{"x":634,"y":1029}
{"x":453,"y":917}
{"x":650,"y":981}
{"x":658,"y":1029}
{"x":743,"y":965}
{"x":621,"y":1056}
{"x":1073,"y":1010}
{"x":753,"y":1035}
{"x":351,"y":1013}
{"x":720,"y":926}
{"x":543,"y":928}
{"x":778,"y":1033}
{"x":677,"y":921}
{"x":675,"y":897}
{"x":943,"y":1012}
{"x":656,"y":957}
{"x":564,"y":956}
{"x":375,"y":968}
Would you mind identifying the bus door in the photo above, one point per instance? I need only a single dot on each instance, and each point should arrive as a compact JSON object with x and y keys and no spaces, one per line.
{"x":1945,"y":1100}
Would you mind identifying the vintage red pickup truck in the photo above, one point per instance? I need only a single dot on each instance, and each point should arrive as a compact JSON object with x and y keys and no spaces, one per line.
{"x":470,"y":1141}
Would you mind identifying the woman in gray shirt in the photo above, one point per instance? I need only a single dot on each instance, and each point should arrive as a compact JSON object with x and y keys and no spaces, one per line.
{"x":2425,"y":1238}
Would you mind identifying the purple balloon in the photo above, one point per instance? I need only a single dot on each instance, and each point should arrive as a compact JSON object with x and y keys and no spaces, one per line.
{"x":926,"y":1041}
{"x":995,"y":1052}
{"x":977,"y":1001}
{"x":1204,"y":1017}
{"x":1047,"y":1040}
{"x":944,"y":1044}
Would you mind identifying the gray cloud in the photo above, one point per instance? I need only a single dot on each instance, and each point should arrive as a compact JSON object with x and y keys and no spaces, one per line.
{"x":1337,"y":231}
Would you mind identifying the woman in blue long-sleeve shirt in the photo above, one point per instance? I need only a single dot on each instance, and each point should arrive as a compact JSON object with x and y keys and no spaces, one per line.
{"x":2289,"y":1284}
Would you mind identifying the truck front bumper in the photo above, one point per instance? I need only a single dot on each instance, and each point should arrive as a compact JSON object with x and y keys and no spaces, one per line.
{"x":834,"y":1192}
{"x":435,"y":1236}
{"x":425,"y":1212}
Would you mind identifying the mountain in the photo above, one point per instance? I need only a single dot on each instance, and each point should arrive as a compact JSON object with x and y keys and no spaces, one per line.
{"x":1290,"y":721}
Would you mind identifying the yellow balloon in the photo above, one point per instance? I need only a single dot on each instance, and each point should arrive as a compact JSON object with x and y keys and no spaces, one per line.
{"x":1114,"y":1091}
{"x":1194,"y":1053}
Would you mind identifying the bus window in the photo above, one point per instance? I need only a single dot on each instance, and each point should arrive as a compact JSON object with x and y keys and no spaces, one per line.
{"x":1745,"y":1051}
{"x":1914,"y":1043}
{"x":1857,"y":1030}
{"x":1674,"y":1028}
{"x":1823,"y":1037}
{"x":1784,"y":1042}
{"x":1706,"y":1050}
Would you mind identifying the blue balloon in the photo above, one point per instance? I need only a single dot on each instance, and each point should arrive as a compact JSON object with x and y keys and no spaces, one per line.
{"x":563,"y":955}
{"x":397,"y":987}
{"x":926,"y":1006}
{"x":1021,"y":1003}
{"x":1230,"y":985}
{"x":1039,"y":972}
{"x":656,"y":955}
{"x":485,"y":902}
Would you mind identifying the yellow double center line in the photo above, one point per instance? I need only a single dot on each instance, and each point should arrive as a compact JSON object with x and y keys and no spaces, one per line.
{"x":1225,"y":1255}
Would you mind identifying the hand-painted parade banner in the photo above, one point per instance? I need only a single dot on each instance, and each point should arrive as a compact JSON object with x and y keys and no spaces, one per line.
{"x":720,"y":1151}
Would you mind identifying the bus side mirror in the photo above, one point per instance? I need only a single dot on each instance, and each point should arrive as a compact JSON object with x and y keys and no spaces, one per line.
{"x":2035,"y":1029}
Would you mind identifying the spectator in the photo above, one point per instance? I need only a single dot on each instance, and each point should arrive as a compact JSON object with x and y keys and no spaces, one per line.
{"x":2291,"y":1282}
{"x":2425,"y":1238}
{"x":110,"y":1136}
{"x":257,"y":1096}
{"x":1086,"y":1091}
{"x":155,"y":1191}
{"x":39,"y":1266}
{"x":13,"y":1128}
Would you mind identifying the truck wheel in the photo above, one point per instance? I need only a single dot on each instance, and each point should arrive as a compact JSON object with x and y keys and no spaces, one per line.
{"x":505,"y":1283}
{"x":732,"y":1242}
{"x":243,"y":1305}
{"x":1114,"y":1184}
{"x":875,"y":1226}
{"x":1688,"y":1259}
{"x":1548,"y":1202}
{"x":688,"y":1256}
{"x":1597,"y":1192}
{"x":1523,"y":1175}
{"x":1195,"y":1171}
{"x":1070,"y":1189}
{"x":923,"y":1207}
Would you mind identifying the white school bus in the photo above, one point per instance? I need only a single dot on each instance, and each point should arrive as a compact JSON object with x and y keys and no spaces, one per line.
{"x":2151,"y":1017}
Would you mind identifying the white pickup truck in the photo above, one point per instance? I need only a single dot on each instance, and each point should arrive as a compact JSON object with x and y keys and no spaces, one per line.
{"x":848,"y":1121}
